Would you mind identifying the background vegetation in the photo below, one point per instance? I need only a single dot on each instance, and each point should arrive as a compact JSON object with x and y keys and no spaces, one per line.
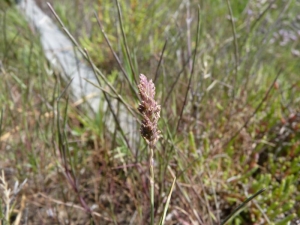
{"x":230,"y":117}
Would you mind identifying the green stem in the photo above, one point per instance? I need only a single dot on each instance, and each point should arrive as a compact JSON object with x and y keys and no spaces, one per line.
{"x":151,"y":185}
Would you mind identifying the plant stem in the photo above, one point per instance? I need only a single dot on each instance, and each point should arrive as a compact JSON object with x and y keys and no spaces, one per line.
{"x":151,"y":184}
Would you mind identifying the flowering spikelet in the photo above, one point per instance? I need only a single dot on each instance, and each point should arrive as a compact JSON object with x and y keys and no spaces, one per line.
{"x":149,"y":109}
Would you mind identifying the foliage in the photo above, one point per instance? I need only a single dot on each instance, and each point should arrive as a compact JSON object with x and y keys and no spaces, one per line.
{"x":230,"y":117}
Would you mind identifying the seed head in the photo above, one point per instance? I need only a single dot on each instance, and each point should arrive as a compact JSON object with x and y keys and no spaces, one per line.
{"x":149,"y":109}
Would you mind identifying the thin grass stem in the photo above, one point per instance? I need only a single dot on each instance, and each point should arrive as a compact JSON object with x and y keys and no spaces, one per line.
{"x":192,"y":71}
{"x":114,"y":54}
{"x":151,"y":161}
{"x":125,"y":41}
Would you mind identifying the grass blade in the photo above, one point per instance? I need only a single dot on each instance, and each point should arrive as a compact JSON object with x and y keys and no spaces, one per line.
{"x":162,"y":220}
{"x":240,"y":208}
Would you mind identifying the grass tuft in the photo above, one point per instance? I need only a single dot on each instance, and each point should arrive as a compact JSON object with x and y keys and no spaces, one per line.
{"x":226,"y":76}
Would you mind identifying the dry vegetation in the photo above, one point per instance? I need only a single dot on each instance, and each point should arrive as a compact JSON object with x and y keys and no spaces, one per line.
{"x":230,"y":117}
